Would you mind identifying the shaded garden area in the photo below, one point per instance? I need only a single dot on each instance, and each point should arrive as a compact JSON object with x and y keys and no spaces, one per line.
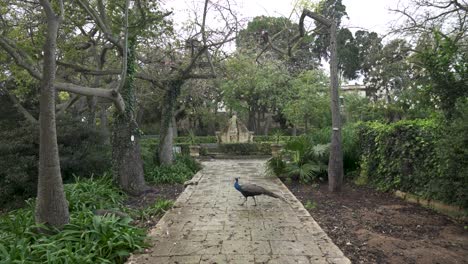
{"x":102,"y":102}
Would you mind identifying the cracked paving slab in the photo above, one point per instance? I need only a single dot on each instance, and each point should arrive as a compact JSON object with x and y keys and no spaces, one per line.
{"x":208,"y":224}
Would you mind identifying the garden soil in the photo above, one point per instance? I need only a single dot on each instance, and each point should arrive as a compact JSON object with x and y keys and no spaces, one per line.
{"x":375,"y":227}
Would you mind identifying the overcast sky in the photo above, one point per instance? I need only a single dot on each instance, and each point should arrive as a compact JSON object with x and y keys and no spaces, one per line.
{"x":372,"y":15}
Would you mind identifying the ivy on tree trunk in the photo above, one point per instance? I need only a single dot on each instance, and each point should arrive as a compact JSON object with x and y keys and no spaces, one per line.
{"x":127,"y":163}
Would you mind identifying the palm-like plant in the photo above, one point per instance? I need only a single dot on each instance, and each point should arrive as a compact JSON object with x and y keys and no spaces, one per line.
{"x":307,"y":159}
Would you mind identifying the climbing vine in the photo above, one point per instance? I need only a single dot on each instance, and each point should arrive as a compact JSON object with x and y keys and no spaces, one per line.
{"x":406,"y":156}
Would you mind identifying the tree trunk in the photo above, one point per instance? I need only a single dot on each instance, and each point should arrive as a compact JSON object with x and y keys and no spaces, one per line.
{"x":104,"y":124}
{"x":166,"y":135}
{"x":259,"y":120}
{"x":51,"y":204}
{"x":252,"y":123}
{"x":126,"y":155}
{"x":267,"y":119}
{"x":294,"y":131}
{"x":335,"y":162}
{"x":174,"y":127}
{"x":91,"y":117}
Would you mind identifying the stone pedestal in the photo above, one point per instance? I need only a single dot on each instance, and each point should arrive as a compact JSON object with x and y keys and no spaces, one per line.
{"x":194,"y":150}
{"x":276,"y":150}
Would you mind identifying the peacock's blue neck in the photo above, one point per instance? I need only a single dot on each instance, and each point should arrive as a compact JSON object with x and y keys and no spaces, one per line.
{"x":237,"y":186}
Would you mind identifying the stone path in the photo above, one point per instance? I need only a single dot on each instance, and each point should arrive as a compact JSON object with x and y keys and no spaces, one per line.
{"x":207,"y":224}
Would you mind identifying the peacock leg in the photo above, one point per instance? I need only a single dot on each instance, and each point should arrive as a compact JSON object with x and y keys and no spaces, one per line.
{"x":244,"y":201}
{"x":254,"y":200}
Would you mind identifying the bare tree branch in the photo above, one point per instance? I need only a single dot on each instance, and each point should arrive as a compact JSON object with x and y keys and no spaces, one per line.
{"x":20,"y":108}
{"x":84,"y":70}
{"x":123,"y":75}
{"x":112,"y":95}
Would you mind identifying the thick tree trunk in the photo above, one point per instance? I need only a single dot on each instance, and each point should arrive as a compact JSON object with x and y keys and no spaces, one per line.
{"x":91,"y":117}
{"x":174,"y":127}
{"x":335,"y":162}
{"x":166,"y":134}
{"x":126,"y":155}
{"x":104,"y":124}
{"x":51,"y":204}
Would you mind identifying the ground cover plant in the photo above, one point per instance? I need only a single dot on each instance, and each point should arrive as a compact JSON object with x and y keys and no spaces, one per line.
{"x":89,"y":237}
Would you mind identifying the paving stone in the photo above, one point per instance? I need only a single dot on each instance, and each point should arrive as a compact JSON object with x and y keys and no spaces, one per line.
{"x":342,"y":260}
{"x":279,"y":259}
{"x":183,"y":247}
{"x":246,"y":247}
{"x":207,"y":224}
{"x":267,"y":235}
{"x":214,"y":259}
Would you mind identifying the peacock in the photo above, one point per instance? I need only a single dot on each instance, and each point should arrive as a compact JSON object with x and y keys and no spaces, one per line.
{"x":253,"y":190}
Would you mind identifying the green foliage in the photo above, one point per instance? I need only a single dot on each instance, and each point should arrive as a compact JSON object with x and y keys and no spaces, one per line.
{"x":93,"y":193}
{"x":276,"y":166}
{"x":159,"y":207}
{"x":196,"y":139}
{"x":82,"y":152}
{"x":180,"y":171}
{"x":447,"y":66}
{"x":309,"y":86}
{"x":452,"y":152}
{"x":310,"y":205}
{"x":245,"y":148}
{"x":271,"y":138}
{"x":249,"y":87}
{"x":87,"y":239}
{"x":307,"y":161}
{"x":416,"y":156}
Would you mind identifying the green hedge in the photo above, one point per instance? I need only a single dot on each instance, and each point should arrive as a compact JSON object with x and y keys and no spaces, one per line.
{"x":271,"y":139}
{"x":198,"y":140}
{"x":246,"y":148}
{"x":406,"y":156}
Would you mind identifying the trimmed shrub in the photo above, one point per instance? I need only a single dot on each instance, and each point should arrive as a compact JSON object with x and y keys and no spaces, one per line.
{"x":246,"y":148}
{"x":407,"y":156}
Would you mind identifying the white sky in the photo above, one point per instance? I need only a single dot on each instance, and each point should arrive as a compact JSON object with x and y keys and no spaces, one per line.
{"x":372,"y":15}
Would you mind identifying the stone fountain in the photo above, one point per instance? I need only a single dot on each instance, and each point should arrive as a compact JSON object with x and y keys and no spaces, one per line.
{"x":234,"y":132}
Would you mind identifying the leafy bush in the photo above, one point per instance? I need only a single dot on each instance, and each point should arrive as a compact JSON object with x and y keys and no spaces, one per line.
{"x":271,"y":138}
{"x":246,"y":148}
{"x":276,"y":166}
{"x":415,"y":156}
{"x":307,"y":161}
{"x":195,"y":139}
{"x":182,"y":170}
{"x":158,"y":208}
{"x":88,"y":238}
{"x":82,"y":152}
{"x":451,"y":182}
